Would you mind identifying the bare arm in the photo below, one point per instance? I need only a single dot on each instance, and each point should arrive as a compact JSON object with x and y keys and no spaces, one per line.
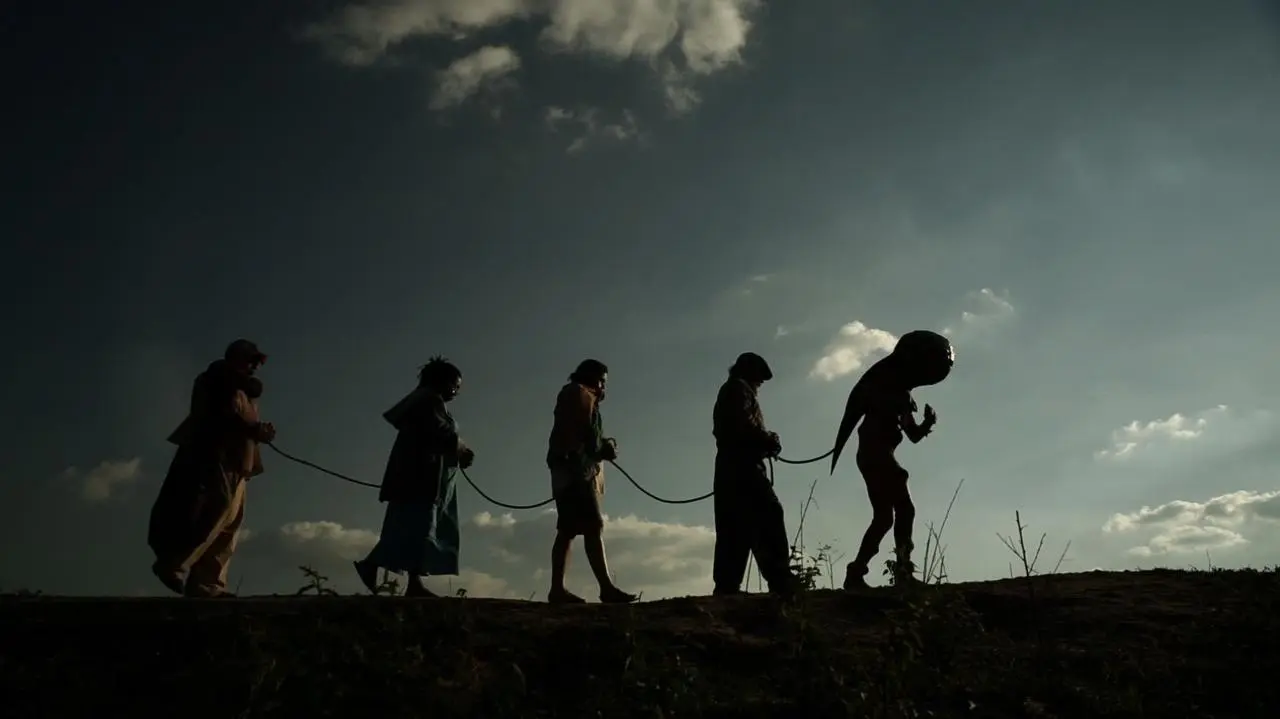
{"x":917,"y":431}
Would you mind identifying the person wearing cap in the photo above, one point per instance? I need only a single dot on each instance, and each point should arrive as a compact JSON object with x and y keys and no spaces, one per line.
{"x":576,"y":452}
{"x":421,"y":535}
{"x":882,"y":400}
{"x":198,"y":513}
{"x":749,"y":519}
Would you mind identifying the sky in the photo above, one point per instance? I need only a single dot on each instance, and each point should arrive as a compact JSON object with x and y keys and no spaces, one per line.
{"x":1082,"y":195}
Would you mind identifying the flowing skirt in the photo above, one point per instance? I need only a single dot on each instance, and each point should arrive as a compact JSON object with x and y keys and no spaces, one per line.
{"x":420,"y":537}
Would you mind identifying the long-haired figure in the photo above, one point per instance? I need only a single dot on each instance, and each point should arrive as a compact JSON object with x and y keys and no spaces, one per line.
{"x":420,"y":531}
{"x":882,"y":401}
{"x":576,"y":452}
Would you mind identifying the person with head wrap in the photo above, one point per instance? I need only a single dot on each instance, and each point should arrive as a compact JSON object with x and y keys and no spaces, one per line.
{"x":196,"y":517}
{"x":882,"y":400}
{"x":421,"y":535}
{"x":749,"y":518}
{"x":576,"y":452}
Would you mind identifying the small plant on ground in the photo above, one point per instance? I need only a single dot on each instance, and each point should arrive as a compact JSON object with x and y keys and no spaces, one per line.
{"x":317,"y":583}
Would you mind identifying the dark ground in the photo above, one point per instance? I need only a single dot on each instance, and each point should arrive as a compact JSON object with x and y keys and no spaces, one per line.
{"x":1134,"y":644}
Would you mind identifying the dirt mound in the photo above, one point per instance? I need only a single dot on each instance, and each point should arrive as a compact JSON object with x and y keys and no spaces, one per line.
{"x":1134,"y":644}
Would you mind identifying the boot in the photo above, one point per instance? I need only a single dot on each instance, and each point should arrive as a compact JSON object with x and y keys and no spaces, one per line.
{"x":855,"y":577}
{"x":903,"y":568}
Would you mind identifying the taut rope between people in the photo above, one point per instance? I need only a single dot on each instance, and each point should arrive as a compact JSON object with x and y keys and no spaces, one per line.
{"x":545,"y":502}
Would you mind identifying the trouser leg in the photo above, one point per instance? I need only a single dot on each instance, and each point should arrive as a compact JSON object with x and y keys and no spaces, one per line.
{"x":208,"y":565}
{"x":733,"y":543}
{"x":770,"y":543}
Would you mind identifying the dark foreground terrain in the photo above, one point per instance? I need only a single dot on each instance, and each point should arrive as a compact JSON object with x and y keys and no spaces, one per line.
{"x":1137,"y":644}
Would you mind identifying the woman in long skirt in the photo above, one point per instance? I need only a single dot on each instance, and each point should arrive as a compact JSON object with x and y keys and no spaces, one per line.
{"x":420,"y":530}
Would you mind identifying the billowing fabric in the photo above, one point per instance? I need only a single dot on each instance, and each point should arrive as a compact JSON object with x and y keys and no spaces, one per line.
{"x":421,"y":538}
{"x":196,"y":515}
{"x":420,"y":529}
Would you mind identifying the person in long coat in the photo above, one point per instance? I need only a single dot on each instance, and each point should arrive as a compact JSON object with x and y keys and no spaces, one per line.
{"x":420,"y":530}
{"x":196,"y":518}
{"x":748,"y":515}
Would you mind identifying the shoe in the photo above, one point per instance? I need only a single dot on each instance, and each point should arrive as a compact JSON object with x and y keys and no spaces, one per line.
{"x":418,"y":590}
{"x":170,"y":578}
{"x":855,"y":578}
{"x":200,"y":593}
{"x":564,"y":596}
{"x":613,"y":595}
{"x":368,"y":575}
{"x":786,"y":588}
{"x":727,"y":592}
{"x":904,"y":575}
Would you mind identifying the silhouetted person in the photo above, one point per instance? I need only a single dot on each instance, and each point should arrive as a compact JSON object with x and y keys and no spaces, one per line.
{"x":749,"y":518}
{"x":198,"y":513}
{"x":420,"y":529}
{"x":882,"y":400}
{"x":576,"y":452}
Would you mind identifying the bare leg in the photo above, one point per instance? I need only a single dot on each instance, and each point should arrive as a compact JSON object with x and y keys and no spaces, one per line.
{"x":882,"y":502}
{"x":881,"y":523}
{"x":593,"y":543}
{"x":904,"y":517}
{"x":560,"y":550}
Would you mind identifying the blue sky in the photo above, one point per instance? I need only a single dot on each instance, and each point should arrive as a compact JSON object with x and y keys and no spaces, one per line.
{"x":1083,"y":194}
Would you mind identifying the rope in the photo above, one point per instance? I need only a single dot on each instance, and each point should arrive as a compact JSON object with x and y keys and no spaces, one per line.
{"x":712,"y":493}
{"x":545,"y":502}
{"x":353,"y":480}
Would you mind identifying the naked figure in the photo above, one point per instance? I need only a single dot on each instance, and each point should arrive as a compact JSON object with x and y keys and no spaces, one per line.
{"x":882,"y":401}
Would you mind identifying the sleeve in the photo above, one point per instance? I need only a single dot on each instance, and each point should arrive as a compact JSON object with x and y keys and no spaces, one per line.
{"x":438,"y":427}
{"x":220,"y":406}
{"x":575,"y":412}
{"x":738,"y":416}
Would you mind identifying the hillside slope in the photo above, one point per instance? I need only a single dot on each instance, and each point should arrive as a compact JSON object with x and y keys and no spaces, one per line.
{"x":1134,"y":644}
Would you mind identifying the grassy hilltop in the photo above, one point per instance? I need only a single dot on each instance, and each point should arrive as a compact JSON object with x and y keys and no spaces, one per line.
{"x":1156,"y":643}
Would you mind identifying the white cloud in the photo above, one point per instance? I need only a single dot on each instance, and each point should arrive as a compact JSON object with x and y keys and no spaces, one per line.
{"x":1133,"y":437}
{"x":509,"y":555}
{"x":329,"y":547}
{"x":1182,"y":526}
{"x":852,"y":348}
{"x":681,"y":39}
{"x":362,"y":33}
{"x":661,"y":559}
{"x":466,"y":76}
{"x":589,"y":127}
{"x":988,"y":310}
{"x":98,"y":484}
{"x":327,"y":539}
